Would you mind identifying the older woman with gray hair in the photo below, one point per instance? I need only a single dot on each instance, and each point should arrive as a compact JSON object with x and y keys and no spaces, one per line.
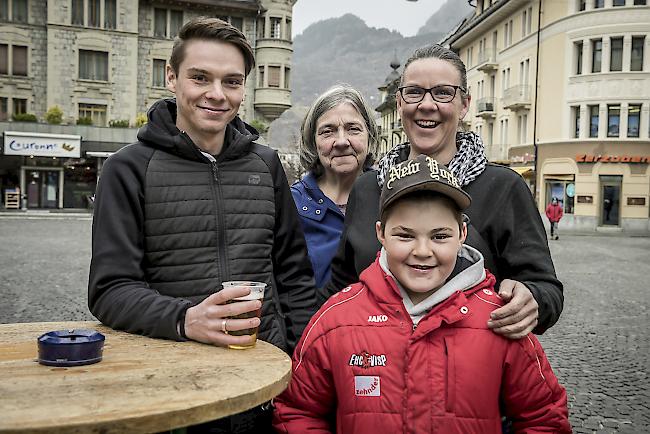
{"x":339,"y":142}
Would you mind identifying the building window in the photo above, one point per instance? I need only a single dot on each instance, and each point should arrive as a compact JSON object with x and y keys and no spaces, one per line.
{"x":287,"y":72}
{"x":167,"y":22}
{"x":526,"y":21}
{"x":563,"y":190}
{"x":507,"y":34}
{"x":95,"y":112}
{"x":3,"y":109}
{"x":640,"y":2}
{"x":92,"y":13}
{"x":633,"y":120}
{"x":599,"y":4}
{"x":596,"y":54}
{"x":593,"y":120}
{"x":260,"y":81}
{"x":77,"y":18}
{"x":504,"y":131}
{"x":4,"y":59}
{"x":274,"y":76}
{"x":505,"y":79}
{"x":524,"y":72}
{"x":288,"y":27}
{"x":238,"y":23}
{"x":110,"y":14}
{"x":19,"y":61}
{"x":522,"y":128}
{"x":93,"y":65}
{"x":575,"y":114}
{"x":618,"y":3}
{"x":20,"y":106}
{"x":276,"y":28}
{"x":636,"y":60}
{"x":613,"y":120}
{"x":578,"y":53}
{"x":158,"y":74}
{"x":616,"y":54}
{"x":160,"y":22}
{"x":13,"y":10}
{"x":582,"y":5}
{"x":13,"y":60}
{"x":175,"y":22}
{"x":261,"y":28}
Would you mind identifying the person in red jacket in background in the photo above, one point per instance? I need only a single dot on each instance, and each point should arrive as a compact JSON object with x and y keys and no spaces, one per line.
{"x":554,"y":213}
{"x":408,"y":349}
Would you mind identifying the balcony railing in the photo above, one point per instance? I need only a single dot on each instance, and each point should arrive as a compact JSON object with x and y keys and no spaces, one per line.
{"x":487,"y":60}
{"x":517,"y":97}
{"x":485,"y":107}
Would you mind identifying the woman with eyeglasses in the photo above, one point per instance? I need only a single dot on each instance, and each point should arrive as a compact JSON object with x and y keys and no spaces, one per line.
{"x":504,"y":223}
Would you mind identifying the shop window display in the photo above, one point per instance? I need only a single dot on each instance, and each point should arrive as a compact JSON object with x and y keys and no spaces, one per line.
{"x":80,"y":176}
{"x":563,"y":190}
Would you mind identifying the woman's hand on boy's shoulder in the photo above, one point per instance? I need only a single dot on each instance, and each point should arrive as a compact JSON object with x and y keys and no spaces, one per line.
{"x":519,"y":315}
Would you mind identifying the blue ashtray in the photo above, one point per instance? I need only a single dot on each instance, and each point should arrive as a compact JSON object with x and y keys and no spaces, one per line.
{"x":70,"y":347}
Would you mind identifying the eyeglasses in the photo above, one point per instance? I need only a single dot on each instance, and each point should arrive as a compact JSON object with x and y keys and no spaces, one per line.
{"x":442,"y":93}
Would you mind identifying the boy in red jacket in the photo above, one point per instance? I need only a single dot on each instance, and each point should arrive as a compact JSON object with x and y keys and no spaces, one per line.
{"x":407,"y":349}
{"x":554,"y":213}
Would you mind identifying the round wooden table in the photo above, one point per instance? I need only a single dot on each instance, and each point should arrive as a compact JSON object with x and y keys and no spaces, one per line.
{"x":141,"y":385}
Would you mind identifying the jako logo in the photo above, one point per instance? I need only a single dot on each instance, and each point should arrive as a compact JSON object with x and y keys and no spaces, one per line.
{"x":377,"y":318}
{"x":367,"y":360}
{"x":254,"y":179}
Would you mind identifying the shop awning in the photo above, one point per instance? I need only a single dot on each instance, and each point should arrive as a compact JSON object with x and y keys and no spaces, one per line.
{"x":559,"y":177}
{"x":524,"y":170}
{"x":99,"y":154}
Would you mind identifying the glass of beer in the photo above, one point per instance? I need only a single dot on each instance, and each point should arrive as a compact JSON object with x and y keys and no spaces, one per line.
{"x":257,"y":293}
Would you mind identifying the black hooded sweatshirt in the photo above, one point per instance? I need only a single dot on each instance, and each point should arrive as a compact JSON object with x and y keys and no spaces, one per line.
{"x":170,"y":226}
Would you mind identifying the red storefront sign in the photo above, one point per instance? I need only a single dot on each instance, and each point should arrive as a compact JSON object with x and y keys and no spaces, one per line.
{"x":588,"y":158}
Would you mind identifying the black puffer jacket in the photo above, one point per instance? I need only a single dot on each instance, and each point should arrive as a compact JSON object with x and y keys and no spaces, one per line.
{"x":170,"y":225}
{"x":505,"y":227}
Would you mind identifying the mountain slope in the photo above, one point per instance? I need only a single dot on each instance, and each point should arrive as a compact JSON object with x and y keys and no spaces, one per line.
{"x":446,"y":18}
{"x":344,"y":49}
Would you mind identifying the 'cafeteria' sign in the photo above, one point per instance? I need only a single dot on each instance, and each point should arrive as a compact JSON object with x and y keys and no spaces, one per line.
{"x":42,"y":145}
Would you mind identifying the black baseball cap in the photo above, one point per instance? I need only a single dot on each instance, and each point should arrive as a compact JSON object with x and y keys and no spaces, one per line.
{"x":421,"y":173}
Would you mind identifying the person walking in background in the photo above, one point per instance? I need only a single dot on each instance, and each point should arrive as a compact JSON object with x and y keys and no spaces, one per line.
{"x":554,"y":213}
{"x":339,"y":142}
{"x":407,"y":349}
{"x":196,"y":202}
{"x":505,"y":225}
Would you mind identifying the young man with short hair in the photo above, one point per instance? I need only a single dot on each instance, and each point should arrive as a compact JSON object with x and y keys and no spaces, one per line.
{"x":196,"y":202}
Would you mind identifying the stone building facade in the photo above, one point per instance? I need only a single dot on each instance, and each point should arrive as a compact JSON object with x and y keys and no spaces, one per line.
{"x":102,"y":63}
{"x":561,"y":94}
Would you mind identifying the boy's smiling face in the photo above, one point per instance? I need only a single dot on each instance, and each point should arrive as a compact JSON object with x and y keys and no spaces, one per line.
{"x":422,"y":239}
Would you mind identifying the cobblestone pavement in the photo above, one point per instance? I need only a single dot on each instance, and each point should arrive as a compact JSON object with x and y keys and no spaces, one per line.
{"x":599,"y":348}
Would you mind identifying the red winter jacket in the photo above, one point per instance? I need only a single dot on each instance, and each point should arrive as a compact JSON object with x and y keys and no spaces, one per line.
{"x":554,"y":212}
{"x":361,"y":365}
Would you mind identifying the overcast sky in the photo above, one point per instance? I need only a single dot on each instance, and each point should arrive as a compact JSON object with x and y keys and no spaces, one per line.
{"x":402,"y":15}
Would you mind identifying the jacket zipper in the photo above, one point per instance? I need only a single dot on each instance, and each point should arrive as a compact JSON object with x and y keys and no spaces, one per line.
{"x":222,"y":268}
{"x":221,"y":233}
{"x":450,"y":375}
